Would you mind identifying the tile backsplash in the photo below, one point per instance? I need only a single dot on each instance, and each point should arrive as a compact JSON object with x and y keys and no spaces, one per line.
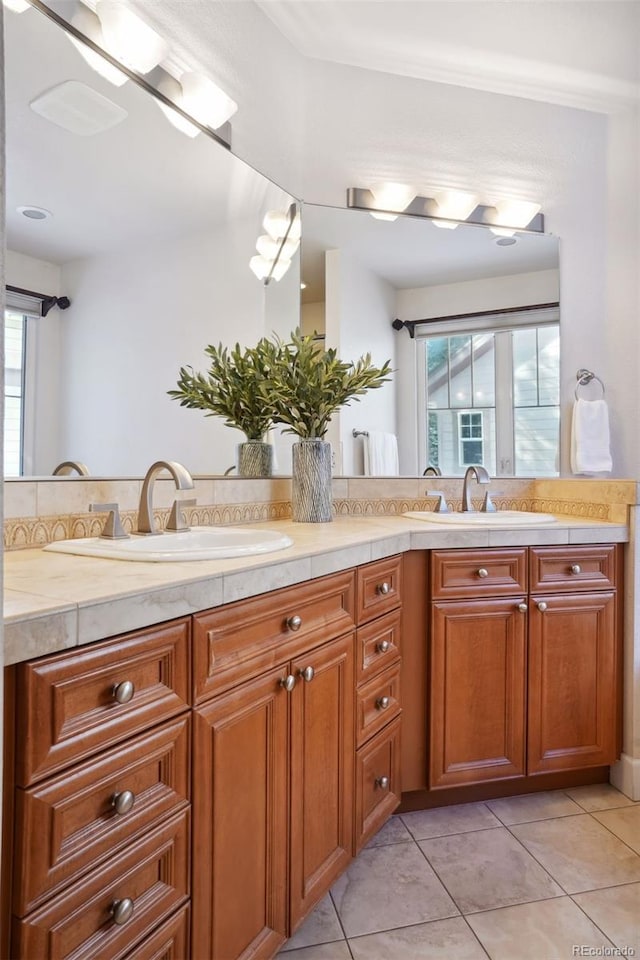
{"x":40,"y":511}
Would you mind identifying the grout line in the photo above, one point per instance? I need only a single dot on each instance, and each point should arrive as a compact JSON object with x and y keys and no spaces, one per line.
{"x":613,"y":834}
{"x":533,"y":856}
{"x":477,"y":938}
{"x":596,"y":925}
{"x":344,"y":932}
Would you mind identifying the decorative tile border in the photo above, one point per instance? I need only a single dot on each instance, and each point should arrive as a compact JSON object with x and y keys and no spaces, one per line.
{"x":25,"y":532}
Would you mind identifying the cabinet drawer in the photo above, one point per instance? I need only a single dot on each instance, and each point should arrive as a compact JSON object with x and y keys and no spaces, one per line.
{"x":377,"y":702}
{"x":562,"y":569}
{"x":67,"y":706}
{"x":378,"y":588}
{"x":378,"y":785}
{"x":378,"y":645}
{"x":243,"y":639}
{"x":169,"y":942}
{"x":461,"y":574}
{"x":153,"y":873}
{"x":69,"y":824}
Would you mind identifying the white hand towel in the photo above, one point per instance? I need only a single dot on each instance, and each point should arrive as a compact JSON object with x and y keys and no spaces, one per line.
{"x":590,"y":452}
{"x":381,"y":454}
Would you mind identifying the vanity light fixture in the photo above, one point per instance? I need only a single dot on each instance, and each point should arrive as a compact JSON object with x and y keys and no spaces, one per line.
{"x":276,"y":249}
{"x":205,"y":101}
{"x":503,"y":217}
{"x":16,"y":6}
{"x":128,"y":38}
{"x":87,"y":23}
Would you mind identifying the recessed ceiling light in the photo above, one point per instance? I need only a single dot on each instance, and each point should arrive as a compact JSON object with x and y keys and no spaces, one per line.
{"x":506,"y":241}
{"x":35,"y":213}
{"x":303,"y":285}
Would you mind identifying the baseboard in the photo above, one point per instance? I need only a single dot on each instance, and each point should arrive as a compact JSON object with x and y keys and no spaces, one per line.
{"x":625,"y":775}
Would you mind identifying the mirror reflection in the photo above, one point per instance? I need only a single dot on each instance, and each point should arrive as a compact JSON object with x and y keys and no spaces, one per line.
{"x":477,"y":379}
{"x":148,"y":233}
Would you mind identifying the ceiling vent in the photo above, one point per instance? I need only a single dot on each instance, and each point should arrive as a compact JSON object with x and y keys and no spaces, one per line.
{"x":78,"y":108}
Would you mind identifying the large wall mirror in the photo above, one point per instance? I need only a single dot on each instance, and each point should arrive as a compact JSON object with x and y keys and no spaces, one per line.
{"x":479,"y":380}
{"x":150,"y":235}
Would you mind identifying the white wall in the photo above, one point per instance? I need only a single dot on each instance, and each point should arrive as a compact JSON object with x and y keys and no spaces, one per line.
{"x":136,"y":318}
{"x":359,"y":309}
{"x":496,"y":293}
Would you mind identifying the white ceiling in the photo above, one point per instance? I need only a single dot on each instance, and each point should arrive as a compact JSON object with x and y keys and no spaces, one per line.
{"x":411,"y":253}
{"x":581,"y":53}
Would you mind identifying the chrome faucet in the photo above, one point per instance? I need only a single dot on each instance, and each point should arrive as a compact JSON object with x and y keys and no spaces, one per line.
{"x":481,"y":476}
{"x":68,"y":466}
{"x":183,"y":481}
{"x":432,"y":471}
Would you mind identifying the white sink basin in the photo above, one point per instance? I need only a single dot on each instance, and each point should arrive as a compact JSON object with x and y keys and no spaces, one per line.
{"x":501,"y":518}
{"x":198,"y":543}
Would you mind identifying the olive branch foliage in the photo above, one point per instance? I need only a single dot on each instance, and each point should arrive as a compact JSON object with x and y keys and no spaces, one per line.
{"x":298,"y":384}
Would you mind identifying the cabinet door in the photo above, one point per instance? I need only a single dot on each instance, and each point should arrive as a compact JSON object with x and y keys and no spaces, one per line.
{"x":572,"y":682}
{"x":478,"y":691}
{"x":322,"y":761}
{"x":240,"y":821}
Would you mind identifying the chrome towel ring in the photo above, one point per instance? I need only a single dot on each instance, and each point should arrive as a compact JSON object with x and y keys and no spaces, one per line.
{"x":585,"y":377}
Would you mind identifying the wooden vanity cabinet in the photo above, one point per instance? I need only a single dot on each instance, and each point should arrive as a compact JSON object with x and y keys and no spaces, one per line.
{"x":274,"y":763}
{"x":100,"y":797}
{"x":524,"y":662}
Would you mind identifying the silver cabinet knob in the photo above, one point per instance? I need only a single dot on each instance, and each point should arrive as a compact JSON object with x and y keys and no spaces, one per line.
{"x":308,"y":674}
{"x":383,"y":588}
{"x":122,"y":910}
{"x":123,"y":802}
{"x":382,"y":782}
{"x":522,"y":607}
{"x":542,"y":606}
{"x":383,"y":646}
{"x":294,"y":623}
{"x":483,"y":572}
{"x":288,"y":682}
{"x":382,"y":703}
{"x":576,"y":568}
{"x":123,"y":692}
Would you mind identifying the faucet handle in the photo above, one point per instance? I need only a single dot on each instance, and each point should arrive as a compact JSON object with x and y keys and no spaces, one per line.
{"x":113,"y":529}
{"x":488,"y":506}
{"x":176,"y":521}
{"x":442,"y":505}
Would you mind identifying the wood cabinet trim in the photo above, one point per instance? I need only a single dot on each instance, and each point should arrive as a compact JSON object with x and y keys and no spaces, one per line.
{"x":487,"y":572}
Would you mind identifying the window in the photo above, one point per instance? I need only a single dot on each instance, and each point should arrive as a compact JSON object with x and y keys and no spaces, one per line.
{"x":470,"y":446}
{"x":19,"y":363}
{"x":491,"y":396}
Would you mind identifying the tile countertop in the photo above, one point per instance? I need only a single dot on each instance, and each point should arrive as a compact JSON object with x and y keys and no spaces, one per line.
{"x":54,"y":601}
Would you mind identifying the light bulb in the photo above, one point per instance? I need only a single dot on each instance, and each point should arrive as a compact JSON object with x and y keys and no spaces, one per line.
{"x":128,"y":38}
{"x":455,"y":204}
{"x":270,"y":248}
{"x":515,"y":213}
{"x":173,"y":91}
{"x":88,"y":23}
{"x":445,"y":224}
{"x":16,"y":6}
{"x":276,"y":223}
{"x":280,"y":269}
{"x":502,"y":231}
{"x":384,"y":216}
{"x":205,"y":101}
{"x":392,"y":196}
{"x":260,"y":266}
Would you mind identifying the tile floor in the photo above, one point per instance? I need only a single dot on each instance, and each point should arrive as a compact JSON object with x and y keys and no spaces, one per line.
{"x":547,"y":876}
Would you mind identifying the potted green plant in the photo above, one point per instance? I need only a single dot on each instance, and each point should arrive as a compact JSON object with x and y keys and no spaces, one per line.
{"x":307,"y":385}
{"x":233,"y":388}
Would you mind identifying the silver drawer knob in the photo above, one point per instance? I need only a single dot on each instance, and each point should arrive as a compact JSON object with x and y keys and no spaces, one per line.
{"x":382,"y":703}
{"x":576,"y":568}
{"x":542,"y":606}
{"x":483,"y":572}
{"x":122,"y":910}
{"x":288,"y":682}
{"x":123,"y":802}
{"x":383,"y":588}
{"x":522,"y":607}
{"x":308,"y":674}
{"x":383,"y":646}
{"x":382,"y":782}
{"x":294,"y":623}
{"x":123,"y":692}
